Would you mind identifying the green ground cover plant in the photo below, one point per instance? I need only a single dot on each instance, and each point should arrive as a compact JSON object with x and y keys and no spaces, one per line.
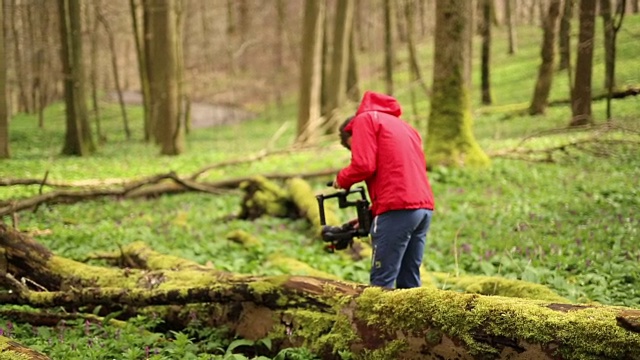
{"x":572,"y":224}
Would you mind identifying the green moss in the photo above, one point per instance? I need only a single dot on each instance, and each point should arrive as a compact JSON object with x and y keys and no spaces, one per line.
{"x":461,"y":316}
{"x":297,"y":267}
{"x":7,"y":354}
{"x":450,"y":141}
{"x":266,"y":196}
{"x":305,"y":200}
{"x":246,"y":239}
{"x":391,"y":350}
{"x":155,"y":260}
{"x":489,"y":285}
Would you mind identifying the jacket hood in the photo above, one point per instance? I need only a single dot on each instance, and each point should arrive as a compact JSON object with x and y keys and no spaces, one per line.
{"x":373,"y":101}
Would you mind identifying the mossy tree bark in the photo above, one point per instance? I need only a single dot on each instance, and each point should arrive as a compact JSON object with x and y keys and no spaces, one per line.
{"x":330,"y":316}
{"x":450,"y":140}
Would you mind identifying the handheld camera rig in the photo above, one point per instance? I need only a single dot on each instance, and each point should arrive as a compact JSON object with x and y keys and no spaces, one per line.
{"x":341,"y":237}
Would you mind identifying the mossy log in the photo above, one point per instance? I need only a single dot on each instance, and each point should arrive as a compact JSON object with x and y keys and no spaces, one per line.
{"x":330,"y":316}
{"x":12,"y":350}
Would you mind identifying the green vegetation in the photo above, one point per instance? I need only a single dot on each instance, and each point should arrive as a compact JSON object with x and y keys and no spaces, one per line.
{"x":572,"y":225}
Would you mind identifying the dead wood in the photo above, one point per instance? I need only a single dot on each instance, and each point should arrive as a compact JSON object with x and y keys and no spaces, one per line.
{"x":162,"y":184}
{"x":616,"y":94}
{"x":329,"y":316}
{"x":11,"y":349}
{"x":595,"y":143}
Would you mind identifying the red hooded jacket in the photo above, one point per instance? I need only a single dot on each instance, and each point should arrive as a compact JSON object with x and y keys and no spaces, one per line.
{"x":387,"y":154}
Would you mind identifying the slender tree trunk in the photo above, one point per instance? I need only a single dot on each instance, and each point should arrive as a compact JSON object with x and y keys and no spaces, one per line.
{"x":389,"y":53}
{"x":487,"y":10}
{"x":450,"y":140}
{"x":414,"y":67}
{"x":607,"y":25}
{"x":151,"y":77}
{"x":581,"y":101}
{"x":114,"y":67}
{"x":281,"y":11}
{"x":309,"y":107}
{"x":78,"y":139}
{"x":4,"y":109}
{"x":611,"y":63}
{"x":635,"y":6}
{"x":93,"y":73}
{"x":337,"y":86}
{"x":545,"y":71}
{"x":18,"y":62}
{"x":353,"y":82}
{"x":142,"y":69}
{"x":510,"y":9}
{"x":564,"y":37}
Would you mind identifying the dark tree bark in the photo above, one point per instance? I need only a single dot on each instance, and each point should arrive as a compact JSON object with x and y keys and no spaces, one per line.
{"x":78,"y":138}
{"x":545,"y":72}
{"x":487,"y":23}
{"x":139,"y":36}
{"x":389,"y":46}
{"x":612,"y":26}
{"x":510,"y":10}
{"x":581,"y":99}
{"x":607,"y":25}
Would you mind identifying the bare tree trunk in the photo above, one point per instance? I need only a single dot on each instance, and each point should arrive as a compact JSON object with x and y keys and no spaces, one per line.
{"x":353,"y":82}
{"x":607,"y":25}
{"x":4,"y":109}
{"x":487,"y":10}
{"x":164,"y":64}
{"x":389,"y":53}
{"x":337,"y":85}
{"x":545,"y":72}
{"x":78,"y":139}
{"x":279,"y":58}
{"x":510,"y":9}
{"x":414,"y":67}
{"x":151,"y":78}
{"x":635,"y":6}
{"x":114,"y":68}
{"x":311,"y":72}
{"x":564,"y":37}
{"x":93,"y":73}
{"x":142,"y":69}
{"x":18,"y":62}
{"x":581,"y":101}
{"x":616,"y":24}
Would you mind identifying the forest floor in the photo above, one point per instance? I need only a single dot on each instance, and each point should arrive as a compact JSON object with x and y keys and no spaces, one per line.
{"x":203,"y":115}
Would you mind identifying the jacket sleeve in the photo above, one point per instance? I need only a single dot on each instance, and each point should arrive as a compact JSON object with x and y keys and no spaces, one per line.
{"x":364,"y":150}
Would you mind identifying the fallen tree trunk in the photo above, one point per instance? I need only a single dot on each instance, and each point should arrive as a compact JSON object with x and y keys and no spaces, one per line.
{"x":10,"y":349}
{"x":330,"y":316}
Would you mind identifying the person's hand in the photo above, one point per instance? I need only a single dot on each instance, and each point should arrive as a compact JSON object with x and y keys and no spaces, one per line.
{"x":336,"y":185}
{"x":354,"y":223}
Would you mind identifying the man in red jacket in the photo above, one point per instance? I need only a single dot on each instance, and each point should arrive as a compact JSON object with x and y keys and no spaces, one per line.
{"x":387,"y":154}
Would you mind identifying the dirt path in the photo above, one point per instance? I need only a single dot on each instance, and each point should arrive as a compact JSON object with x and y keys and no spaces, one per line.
{"x":202,"y":114}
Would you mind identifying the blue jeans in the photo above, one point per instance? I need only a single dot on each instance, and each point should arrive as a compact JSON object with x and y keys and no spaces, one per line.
{"x":398,"y":239}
